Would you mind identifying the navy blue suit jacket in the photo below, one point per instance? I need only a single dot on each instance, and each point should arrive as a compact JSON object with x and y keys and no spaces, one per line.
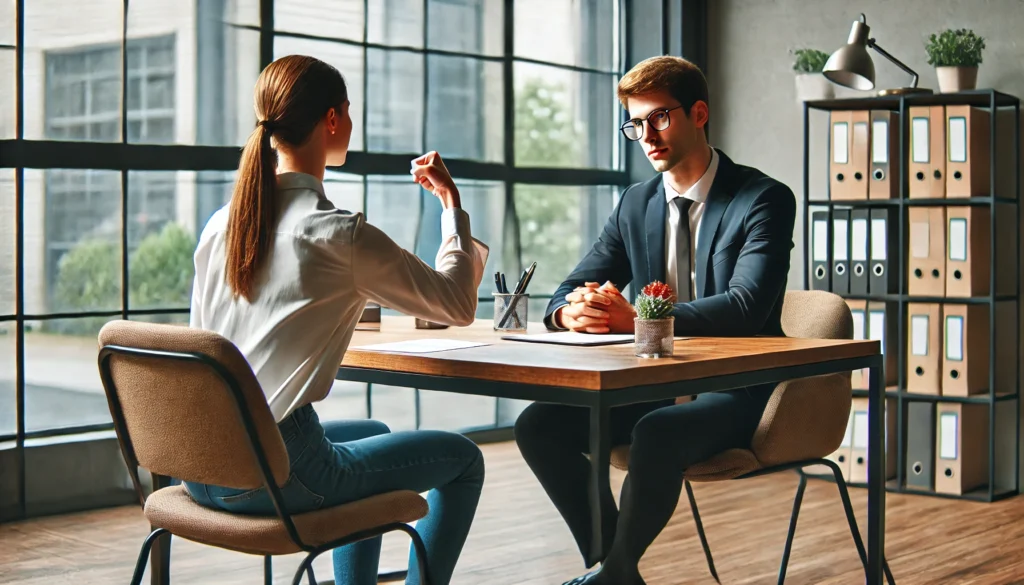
{"x":742,"y":253}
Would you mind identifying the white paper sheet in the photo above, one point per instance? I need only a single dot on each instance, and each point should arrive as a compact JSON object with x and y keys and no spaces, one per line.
{"x":573,"y":338}
{"x":420,"y":346}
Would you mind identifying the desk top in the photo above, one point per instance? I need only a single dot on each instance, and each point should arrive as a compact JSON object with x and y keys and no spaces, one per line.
{"x":591,"y":368}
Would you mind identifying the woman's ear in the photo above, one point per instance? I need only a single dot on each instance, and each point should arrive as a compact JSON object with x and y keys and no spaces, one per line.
{"x":332,"y":121}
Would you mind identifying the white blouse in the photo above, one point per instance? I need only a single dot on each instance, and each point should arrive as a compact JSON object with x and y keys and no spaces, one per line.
{"x":324,"y":264}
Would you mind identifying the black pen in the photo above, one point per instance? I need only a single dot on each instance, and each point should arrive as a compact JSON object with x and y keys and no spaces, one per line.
{"x":504,"y":288}
{"x":527,"y":276}
{"x":497,"y":282}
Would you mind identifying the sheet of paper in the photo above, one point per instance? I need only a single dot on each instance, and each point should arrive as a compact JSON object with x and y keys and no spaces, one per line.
{"x":573,"y":338}
{"x":420,"y":346}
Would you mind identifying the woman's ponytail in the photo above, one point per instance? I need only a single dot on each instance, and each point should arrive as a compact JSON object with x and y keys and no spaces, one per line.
{"x":252,"y":212}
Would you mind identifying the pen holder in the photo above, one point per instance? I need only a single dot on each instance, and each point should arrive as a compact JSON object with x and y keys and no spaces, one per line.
{"x":654,"y":338}
{"x":510,"y":312}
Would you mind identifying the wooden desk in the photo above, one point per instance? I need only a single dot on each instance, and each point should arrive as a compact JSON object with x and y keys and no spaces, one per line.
{"x":604,"y":377}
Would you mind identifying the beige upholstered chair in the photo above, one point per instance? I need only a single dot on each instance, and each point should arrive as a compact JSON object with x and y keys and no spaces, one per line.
{"x":186,"y":405}
{"x":805,"y":421}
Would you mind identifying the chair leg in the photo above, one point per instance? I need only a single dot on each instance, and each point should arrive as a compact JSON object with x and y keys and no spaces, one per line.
{"x":851,"y":518}
{"x":792,"y":528}
{"x":305,"y":567}
{"x":309,"y":573}
{"x":421,"y":552}
{"x":268,"y":570}
{"x":147,"y":545}
{"x":700,"y":530}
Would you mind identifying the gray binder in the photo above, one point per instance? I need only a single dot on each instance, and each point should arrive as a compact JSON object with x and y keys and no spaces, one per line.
{"x":920,"y":445}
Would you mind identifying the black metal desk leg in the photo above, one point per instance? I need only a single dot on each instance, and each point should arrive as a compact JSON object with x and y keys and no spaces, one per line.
{"x":160,"y":556}
{"x":876,"y":472}
{"x":600,"y":460}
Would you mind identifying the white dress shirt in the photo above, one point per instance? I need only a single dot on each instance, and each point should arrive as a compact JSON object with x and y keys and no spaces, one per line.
{"x":323,"y":266}
{"x":698,"y":193}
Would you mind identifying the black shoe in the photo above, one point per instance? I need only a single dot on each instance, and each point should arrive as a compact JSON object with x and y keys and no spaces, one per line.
{"x":583,"y":580}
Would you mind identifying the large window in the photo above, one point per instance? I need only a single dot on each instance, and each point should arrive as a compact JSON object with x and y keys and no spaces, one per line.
{"x":119,"y":137}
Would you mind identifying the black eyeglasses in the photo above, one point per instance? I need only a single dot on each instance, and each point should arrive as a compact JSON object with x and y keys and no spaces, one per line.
{"x":658,"y":119}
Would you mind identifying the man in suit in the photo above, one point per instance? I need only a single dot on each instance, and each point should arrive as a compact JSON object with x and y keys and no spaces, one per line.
{"x":720,"y":234}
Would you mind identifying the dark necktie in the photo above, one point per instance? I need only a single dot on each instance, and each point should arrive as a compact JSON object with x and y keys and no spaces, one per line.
{"x":682,"y":246}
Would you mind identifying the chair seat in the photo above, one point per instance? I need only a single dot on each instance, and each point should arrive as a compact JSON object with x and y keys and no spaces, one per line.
{"x":728,"y":464}
{"x":173,"y":509}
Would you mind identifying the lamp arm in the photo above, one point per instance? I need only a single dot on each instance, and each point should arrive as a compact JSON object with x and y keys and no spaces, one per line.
{"x":897,"y":62}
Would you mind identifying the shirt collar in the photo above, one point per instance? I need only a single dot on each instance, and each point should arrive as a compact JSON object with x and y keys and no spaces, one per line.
{"x":292,"y":180}
{"x":699,"y":191}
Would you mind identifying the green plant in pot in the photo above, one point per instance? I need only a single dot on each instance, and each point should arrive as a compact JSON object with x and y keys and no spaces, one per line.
{"x":955,"y":54}
{"x":810,"y":83}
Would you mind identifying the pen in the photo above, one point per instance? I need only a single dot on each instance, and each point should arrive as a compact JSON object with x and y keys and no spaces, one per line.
{"x":525,"y":280}
{"x":504,"y":288}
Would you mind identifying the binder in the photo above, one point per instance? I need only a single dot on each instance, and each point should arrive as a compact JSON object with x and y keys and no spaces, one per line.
{"x":841,"y":162}
{"x":860,"y":154}
{"x":961,"y":447}
{"x":858,"y":310}
{"x":920,"y":472}
{"x":965,"y":353}
{"x":968,"y":258}
{"x":924,"y":348}
{"x":840,"y":251}
{"x":859,"y":450}
{"x":882,"y":327}
{"x":884,"y":181}
{"x":859,"y":227}
{"x":884,"y":236}
{"x":927,"y":165}
{"x":967,"y":165}
{"x":926,"y":262}
{"x":819,"y":250}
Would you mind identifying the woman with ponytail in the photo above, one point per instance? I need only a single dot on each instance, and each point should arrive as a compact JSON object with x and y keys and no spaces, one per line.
{"x":285,"y":275}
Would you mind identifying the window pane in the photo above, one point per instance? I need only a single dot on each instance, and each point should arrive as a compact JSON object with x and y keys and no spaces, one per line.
{"x":213,"y":191}
{"x":7,"y":102}
{"x":565,"y":118}
{"x":238,"y":12}
{"x":449,"y":411}
{"x":344,"y":190}
{"x":578,"y":32}
{"x":467,"y":26}
{"x":7,"y":236}
{"x":341,"y":19}
{"x":73,"y":72}
{"x":400,"y":208}
{"x":557,"y":226}
{"x":465,"y":108}
{"x":161,"y":238}
{"x":394,"y":406}
{"x":7,"y":22}
{"x":224,"y":111}
{"x":394,"y":121}
{"x":72,"y":240}
{"x":62,"y":382}
{"x":8,"y":368}
{"x":395,"y":22}
{"x":484,"y":201}
{"x":347,"y":59}
{"x":165,"y":318}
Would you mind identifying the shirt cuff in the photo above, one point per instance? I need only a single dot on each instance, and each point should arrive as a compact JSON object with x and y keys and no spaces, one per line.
{"x":454,"y":221}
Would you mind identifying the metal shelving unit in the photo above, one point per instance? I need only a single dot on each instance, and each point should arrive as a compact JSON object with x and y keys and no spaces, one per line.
{"x":994,"y":102}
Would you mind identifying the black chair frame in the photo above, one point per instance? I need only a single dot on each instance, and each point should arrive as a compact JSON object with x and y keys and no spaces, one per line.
{"x":258,"y":452}
{"x":798,"y":466}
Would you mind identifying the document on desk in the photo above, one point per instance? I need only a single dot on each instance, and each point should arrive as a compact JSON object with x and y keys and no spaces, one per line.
{"x":419,"y":346}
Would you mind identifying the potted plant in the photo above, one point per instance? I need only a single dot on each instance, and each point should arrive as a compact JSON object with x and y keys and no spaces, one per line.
{"x":810,"y":83}
{"x":955,"y":54}
{"x":654,"y":325}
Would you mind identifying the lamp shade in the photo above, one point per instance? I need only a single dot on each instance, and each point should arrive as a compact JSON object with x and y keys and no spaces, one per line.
{"x":851,"y":66}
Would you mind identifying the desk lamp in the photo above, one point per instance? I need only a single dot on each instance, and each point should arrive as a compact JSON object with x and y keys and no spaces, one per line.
{"x":851,"y":65}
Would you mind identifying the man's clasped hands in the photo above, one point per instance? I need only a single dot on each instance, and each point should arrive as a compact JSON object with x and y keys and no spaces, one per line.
{"x":597,"y":308}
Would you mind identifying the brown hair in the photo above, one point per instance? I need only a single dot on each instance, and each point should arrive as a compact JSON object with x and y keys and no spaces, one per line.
{"x":679,"y":77}
{"x":291,"y":97}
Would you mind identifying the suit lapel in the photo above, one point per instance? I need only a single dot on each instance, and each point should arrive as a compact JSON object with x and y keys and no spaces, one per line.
{"x":718,"y":200}
{"x":655,"y":224}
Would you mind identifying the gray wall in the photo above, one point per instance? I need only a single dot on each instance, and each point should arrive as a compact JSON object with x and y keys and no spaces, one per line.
{"x":755,"y":116}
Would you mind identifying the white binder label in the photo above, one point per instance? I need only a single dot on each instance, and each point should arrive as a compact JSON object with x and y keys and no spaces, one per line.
{"x":848,"y":437}
{"x":876,"y":328}
{"x":860,"y":240}
{"x":955,"y":338}
{"x":879,"y":235}
{"x":858,"y":324}
{"x":919,"y":139}
{"x":880,"y":141}
{"x":947,"y":435}
{"x":958,"y":139}
{"x":820,"y":250}
{"x":840,"y":143}
{"x":919,"y":334}
{"x":860,"y":429}
{"x":958,"y":239}
{"x":919,"y":234}
{"x":841,"y":241}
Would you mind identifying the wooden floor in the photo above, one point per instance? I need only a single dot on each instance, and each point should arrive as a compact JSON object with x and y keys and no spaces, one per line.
{"x":518,"y":538}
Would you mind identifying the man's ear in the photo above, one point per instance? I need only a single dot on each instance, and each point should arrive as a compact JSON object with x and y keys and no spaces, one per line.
{"x":699,"y":113}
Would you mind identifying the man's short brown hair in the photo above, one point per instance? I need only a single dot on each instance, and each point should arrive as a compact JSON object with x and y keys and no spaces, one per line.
{"x":679,"y":77}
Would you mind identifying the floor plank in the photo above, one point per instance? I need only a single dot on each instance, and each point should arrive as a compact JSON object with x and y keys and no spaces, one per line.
{"x":518,"y":539}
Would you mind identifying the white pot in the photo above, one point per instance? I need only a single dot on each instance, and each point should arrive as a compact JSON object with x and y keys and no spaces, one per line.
{"x":954,"y":79}
{"x":813,"y":86}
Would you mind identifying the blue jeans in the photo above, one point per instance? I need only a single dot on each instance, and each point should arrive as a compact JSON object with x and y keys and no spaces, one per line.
{"x":344,"y":461}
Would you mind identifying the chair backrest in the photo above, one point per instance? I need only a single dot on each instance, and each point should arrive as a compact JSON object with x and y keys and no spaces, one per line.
{"x":186,"y":404}
{"x":807,"y":418}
